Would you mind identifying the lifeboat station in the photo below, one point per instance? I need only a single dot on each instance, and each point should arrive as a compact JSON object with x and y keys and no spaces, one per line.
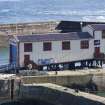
{"x":59,"y":51}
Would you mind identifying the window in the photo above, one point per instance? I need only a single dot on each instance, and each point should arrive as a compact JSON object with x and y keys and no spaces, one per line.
{"x":66,"y":45}
{"x":85,"y":44}
{"x":27,"y":47}
{"x":47,"y":46}
{"x":103,"y":34}
{"x":96,"y":42}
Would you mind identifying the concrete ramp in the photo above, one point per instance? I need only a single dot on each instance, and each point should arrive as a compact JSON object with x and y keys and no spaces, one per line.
{"x":59,"y":95}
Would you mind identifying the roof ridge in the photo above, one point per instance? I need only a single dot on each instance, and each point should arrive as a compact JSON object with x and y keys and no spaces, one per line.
{"x":50,"y":34}
{"x":55,"y":37}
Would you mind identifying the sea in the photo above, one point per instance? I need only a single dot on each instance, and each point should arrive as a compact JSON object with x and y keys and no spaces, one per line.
{"x":14,"y":11}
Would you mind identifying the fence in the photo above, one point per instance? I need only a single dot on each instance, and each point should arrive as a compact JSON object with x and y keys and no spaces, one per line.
{"x":8,"y":68}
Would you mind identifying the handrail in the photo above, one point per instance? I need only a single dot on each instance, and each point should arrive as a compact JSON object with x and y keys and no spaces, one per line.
{"x":7,"y":67}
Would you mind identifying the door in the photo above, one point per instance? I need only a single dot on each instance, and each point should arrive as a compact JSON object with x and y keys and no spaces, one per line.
{"x":97,"y":51}
{"x":26,"y":59}
{"x":13,"y":54}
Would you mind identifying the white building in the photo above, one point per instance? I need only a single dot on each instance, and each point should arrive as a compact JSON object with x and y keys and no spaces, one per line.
{"x":59,"y":48}
{"x":98,"y":32}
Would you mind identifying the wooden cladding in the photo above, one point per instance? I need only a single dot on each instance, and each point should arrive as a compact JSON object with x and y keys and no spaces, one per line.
{"x":84,"y":44}
{"x":47,"y":46}
{"x":66,"y":45}
{"x":27,"y":47}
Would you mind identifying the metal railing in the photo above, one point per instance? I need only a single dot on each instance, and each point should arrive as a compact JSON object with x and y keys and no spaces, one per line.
{"x":7,"y":68}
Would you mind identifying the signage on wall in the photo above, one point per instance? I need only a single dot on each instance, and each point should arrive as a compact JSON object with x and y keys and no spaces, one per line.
{"x":46,"y":61}
{"x":96,"y":42}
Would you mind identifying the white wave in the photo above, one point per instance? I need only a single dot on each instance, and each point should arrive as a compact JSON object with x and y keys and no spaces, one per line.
{"x":86,"y":15}
{"x":74,"y":12}
{"x":94,"y":18}
{"x":5,"y":10}
{"x":10,"y":0}
{"x":100,"y":17}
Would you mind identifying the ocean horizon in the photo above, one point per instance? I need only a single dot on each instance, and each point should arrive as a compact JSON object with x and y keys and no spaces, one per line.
{"x":14,"y":11}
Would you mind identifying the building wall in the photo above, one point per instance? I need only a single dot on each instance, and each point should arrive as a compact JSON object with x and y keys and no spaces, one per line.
{"x":103,"y":46}
{"x":97,"y":36}
{"x":59,"y":55}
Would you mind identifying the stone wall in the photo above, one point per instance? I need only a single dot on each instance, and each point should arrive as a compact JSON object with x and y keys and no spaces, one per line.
{"x":99,"y":80}
{"x":91,"y":78}
{"x":67,"y":80}
{"x":29,"y":28}
{"x":26,"y":29}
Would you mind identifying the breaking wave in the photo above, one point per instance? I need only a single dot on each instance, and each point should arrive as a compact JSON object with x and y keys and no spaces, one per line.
{"x":74,"y":12}
{"x":41,"y":10}
{"x":10,"y":0}
{"x":94,"y":18}
{"x":5,"y":10}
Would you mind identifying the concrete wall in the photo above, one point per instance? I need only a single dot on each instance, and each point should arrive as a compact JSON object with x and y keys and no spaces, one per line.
{"x":59,"y":95}
{"x":99,"y":80}
{"x":5,"y":88}
{"x":83,"y":78}
{"x":9,"y":87}
{"x":59,"y":55}
{"x":65,"y":80}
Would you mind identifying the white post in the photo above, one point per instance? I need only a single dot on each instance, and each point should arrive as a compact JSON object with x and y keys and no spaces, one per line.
{"x":16,"y":29}
{"x":17,"y":46}
{"x":81,"y":25}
